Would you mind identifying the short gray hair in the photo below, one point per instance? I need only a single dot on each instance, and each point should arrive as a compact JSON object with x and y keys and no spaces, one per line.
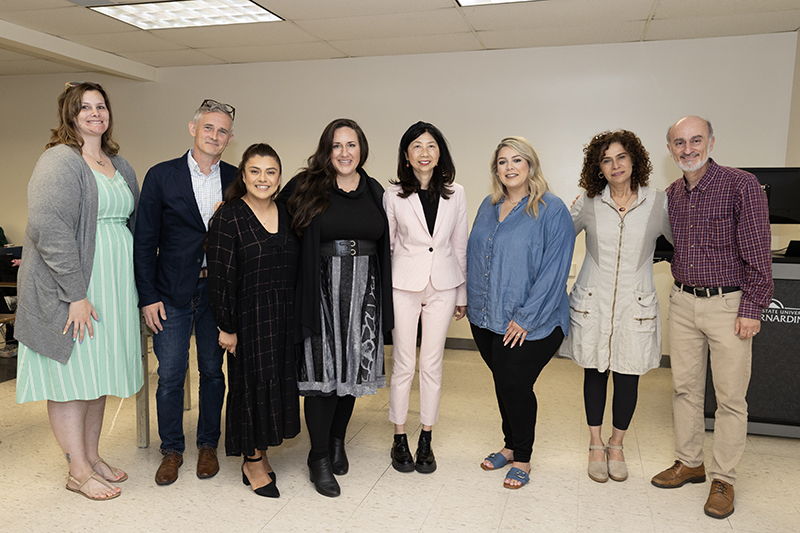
{"x":708,"y":123}
{"x":211,"y":106}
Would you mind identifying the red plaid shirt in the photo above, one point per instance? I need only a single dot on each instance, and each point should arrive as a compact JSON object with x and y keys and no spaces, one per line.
{"x":722,"y":235}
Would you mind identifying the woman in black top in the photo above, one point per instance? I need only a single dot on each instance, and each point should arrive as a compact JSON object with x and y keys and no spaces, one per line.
{"x":344,"y":293}
{"x":252,"y":266}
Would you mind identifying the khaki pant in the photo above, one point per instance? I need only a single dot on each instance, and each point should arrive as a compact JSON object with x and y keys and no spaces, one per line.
{"x":697,"y":324}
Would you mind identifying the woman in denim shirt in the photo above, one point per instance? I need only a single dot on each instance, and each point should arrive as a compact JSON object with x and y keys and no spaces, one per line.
{"x":518,"y":260}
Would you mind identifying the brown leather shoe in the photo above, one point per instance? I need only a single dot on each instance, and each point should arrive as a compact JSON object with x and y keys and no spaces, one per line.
{"x":679,"y":475}
{"x":720,"y":500}
{"x":207,"y":463}
{"x":167,"y":473}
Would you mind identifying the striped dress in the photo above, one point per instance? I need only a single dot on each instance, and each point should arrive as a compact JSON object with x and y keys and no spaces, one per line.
{"x":110,"y":363}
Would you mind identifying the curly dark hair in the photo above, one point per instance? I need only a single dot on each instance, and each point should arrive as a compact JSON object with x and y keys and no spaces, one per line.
{"x":596,"y":149}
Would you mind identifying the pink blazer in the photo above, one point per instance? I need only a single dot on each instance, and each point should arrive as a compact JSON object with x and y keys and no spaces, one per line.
{"x":418,"y":257}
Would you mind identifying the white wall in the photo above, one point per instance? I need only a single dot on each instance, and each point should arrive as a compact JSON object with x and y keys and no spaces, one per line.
{"x":556,"y":97}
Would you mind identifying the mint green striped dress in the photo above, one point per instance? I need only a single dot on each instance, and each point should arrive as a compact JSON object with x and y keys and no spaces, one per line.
{"x":111,"y":362}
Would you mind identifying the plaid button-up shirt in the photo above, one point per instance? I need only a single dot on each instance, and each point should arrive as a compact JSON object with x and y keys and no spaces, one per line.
{"x":722,"y":235}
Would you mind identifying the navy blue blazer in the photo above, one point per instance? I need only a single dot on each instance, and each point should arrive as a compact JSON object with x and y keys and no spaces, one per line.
{"x":170,"y":234}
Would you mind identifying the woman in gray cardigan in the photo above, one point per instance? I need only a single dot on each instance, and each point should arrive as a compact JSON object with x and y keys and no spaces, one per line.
{"x":77,"y":319}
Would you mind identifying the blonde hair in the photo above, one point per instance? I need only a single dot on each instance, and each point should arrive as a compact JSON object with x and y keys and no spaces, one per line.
{"x":535,"y":183}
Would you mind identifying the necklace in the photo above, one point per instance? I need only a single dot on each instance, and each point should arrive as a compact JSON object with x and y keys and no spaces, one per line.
{"x":101,"y":163}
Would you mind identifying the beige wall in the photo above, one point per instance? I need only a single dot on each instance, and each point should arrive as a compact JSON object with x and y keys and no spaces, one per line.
{"x":556,"y":97}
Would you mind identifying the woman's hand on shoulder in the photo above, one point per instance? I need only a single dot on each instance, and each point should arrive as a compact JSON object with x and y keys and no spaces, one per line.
{"x":80,"y":315}
{"x":514,"y":334}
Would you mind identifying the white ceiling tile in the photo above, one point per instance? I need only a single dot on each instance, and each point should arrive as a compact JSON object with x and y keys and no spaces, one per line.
{"x":699,"y":27}
{"x":23,"y":5}
{"x":129,"y":41}
{"x":275,"y":52}
{"x":563,"y":13}
{"x":620,"y":33}
{"x":173,"y":58}
{"x":323,"y":9}
{"x":395,"y":25}
{"x":34,"y":66}
{"x":424,"y":44}
{"x":692,"y":8}
{"x":74,"y":20}
{"x":239,"y":35}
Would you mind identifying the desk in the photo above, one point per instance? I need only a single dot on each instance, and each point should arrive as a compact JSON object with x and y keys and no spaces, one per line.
{"x":773,"y":397}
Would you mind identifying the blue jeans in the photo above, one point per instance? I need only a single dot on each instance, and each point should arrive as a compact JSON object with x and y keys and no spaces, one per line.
{"x":171,"y":347}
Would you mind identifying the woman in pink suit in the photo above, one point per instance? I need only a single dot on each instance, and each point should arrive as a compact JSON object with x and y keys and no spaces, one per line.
{"x":427,"y":216}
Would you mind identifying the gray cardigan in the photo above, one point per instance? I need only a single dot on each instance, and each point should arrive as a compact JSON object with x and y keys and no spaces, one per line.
{"x":58,"y":250}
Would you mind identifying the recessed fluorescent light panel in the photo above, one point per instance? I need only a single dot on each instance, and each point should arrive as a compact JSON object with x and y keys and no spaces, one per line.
{"x":467,"y":3}
{"x":188,"y":14}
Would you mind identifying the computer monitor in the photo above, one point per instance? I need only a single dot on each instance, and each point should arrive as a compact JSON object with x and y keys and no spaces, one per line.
{"x":782,"y":186}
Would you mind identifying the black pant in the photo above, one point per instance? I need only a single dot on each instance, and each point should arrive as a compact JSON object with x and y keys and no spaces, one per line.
{"x":515,"y":370}
{"x":326,"y":417}
{"x":626,"y":392}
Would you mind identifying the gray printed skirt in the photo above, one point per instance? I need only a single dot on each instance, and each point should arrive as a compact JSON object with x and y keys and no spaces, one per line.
{"x":347,"y":357}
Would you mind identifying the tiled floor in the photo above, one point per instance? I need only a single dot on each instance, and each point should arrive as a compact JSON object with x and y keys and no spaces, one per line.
{"x":459,"y":496}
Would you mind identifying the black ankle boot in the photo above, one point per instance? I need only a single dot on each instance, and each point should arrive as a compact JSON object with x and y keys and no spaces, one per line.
{"x":338,"y":457}
{"x":425,"y":462}
{"x":320,"y":473}
{"x":402,"y":461}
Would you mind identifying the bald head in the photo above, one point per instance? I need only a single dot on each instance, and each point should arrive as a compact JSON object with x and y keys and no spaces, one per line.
{"x":695,"y":120}
{"x":690,"y":140}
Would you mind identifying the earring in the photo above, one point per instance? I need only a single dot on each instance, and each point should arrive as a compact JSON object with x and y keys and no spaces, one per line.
{"x":407,"y":165}
{"x":600,"y":175}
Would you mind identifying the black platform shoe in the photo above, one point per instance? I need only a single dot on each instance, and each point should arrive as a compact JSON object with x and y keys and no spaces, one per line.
{"x":338,"y":457}
{"x":320,"y":473}
{"x":402,"y":460}
{"x":270,"y":490}
{"x":425,"y":462}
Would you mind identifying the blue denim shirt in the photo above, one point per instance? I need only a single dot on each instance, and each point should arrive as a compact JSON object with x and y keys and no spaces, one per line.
{"x":517,"y":269}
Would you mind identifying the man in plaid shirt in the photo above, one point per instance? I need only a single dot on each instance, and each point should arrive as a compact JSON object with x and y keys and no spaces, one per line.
{"x":723,"y":278}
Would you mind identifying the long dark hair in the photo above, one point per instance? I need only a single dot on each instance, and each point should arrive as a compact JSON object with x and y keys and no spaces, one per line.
{"x":69,"y":107}
{"x":444,"y":173}
{"x":312,"y":194}
{"x":238,"y":189}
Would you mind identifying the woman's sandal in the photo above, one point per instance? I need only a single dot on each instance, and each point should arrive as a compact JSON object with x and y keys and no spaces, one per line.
{"x":617,"y":470}
{"x":96,"y":477}
{"x":497,"y":460}
{"x":114,"y":471}
{"x":598,"y":470}
{"x":516,"y":474}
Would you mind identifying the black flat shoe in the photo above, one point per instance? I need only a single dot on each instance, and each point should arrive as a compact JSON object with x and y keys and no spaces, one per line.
{"x":321,"y":475}
{"x":338,"y":457}
{"x":402,"y":461}
{"x":425,"y":462}
{"x":270,"y":490}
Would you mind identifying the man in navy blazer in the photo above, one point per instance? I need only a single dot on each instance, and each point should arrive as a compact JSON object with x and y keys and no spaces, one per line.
{"x":177,"y":201}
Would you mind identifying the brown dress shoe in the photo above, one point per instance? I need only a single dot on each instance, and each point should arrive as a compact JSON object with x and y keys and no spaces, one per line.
{"x":167,"y":473}
{"x":207,"y":463}
{"x":720,"y":500}
{"x":679,"y":475}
